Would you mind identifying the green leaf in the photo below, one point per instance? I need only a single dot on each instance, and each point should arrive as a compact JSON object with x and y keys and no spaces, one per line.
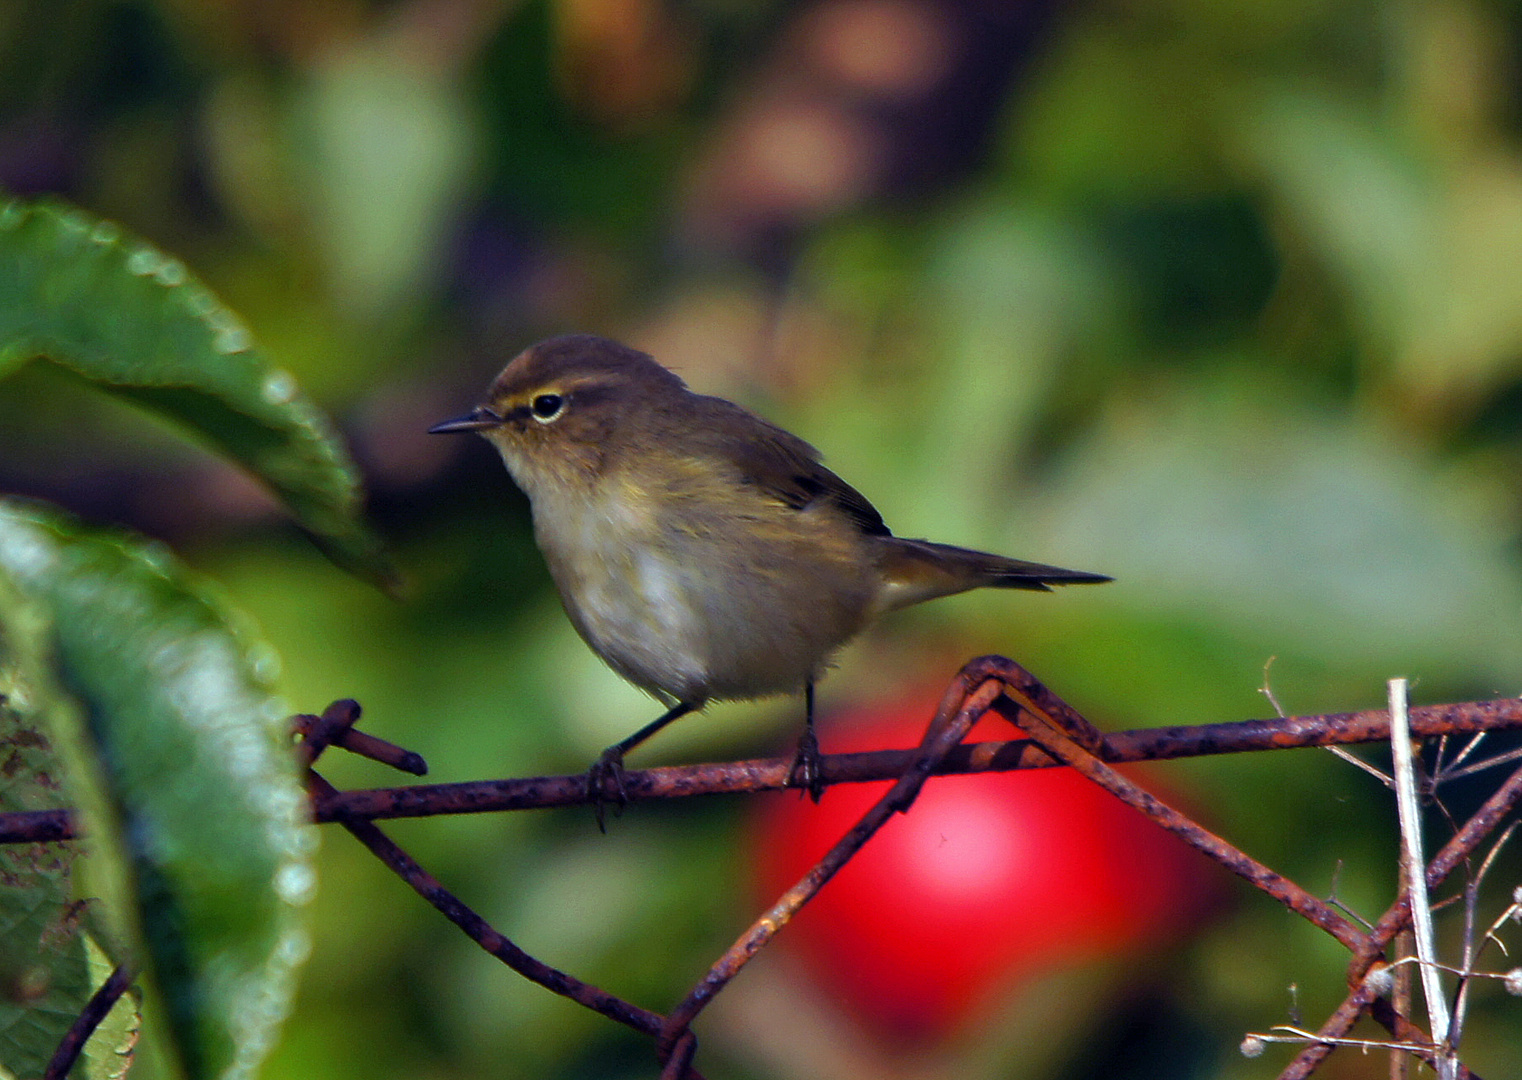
{"x":88,"y":296}
{"x":44,"y":969}
{"x":183,"y":767}
{"x":109,"y":1053}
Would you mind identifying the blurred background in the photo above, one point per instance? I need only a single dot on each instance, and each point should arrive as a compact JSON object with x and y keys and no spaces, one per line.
{"x":1224,"y":300}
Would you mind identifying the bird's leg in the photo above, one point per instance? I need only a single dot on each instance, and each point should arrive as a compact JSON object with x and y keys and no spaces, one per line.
{"x":608,"y":770}
{"x":807,"y":772}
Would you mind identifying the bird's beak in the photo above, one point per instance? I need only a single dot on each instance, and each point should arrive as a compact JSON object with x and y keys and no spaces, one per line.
{"x":475,"y":420}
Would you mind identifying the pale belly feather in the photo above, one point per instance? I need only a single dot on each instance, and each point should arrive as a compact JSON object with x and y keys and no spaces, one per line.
{"x":690,"y":614}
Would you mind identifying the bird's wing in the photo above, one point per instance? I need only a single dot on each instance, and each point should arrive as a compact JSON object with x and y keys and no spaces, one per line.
{"x":783,"y":466}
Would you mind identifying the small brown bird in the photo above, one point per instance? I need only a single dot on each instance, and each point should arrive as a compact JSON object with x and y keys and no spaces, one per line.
{"x":702,"y":552}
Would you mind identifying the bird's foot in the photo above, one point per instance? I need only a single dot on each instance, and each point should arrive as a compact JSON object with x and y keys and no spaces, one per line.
{"x":807,"y":772}
{"x":605,"y":784}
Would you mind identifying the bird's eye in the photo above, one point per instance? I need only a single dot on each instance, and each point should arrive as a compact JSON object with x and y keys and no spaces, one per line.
{"x":547,"y":407}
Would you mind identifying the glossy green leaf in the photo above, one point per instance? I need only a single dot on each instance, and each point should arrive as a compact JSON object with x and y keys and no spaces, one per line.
{"x":89,"y":297}
{"x":49,"y":964}
{"x":193,"y":804}
{"x":44,"y":970}
{"x":111,"y":1051}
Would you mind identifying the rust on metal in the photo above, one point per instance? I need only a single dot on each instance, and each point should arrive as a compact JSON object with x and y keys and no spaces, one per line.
{"x":672,"y":782}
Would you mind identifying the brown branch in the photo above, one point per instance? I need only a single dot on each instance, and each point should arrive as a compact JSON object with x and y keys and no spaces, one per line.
{"x":1031,"y":712}
{"x":679,"y":1062}
{"x":1057,"y":734}
{"x":957,"y":713}
{"x":95,"y":1010}
{"x":335,"y":727}
{"x":1146,"y":744}
{"x":484,"y":935}
{"x":1049,"y":722}
{"x":673,"y":782}
{"x":37,"y":826}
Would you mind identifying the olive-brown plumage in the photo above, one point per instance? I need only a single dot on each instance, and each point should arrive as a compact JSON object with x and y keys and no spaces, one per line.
{"x":700,"y":550}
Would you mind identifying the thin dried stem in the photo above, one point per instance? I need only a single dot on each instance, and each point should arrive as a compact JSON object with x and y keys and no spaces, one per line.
{"x":1421,"y":910}
{"x":1359,"y":763}
{"x":1365,"y":995}
{"x":1472,"y":950}
{"x":1480,"y":766}
{"x":1469,"y":747}
{"x":1299,"y":1035}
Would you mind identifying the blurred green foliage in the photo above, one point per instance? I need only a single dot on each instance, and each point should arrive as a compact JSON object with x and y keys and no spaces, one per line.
{"x":1223,"y":300}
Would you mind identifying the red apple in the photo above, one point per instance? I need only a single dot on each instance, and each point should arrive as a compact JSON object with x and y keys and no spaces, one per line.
{"x":986,"y":879}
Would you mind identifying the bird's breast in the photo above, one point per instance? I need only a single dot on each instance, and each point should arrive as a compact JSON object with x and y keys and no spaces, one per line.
{"x":695,"y":598}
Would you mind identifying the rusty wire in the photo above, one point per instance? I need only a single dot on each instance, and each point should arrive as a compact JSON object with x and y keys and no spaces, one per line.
{"x":771,"y":774}
{"x":1034,"y":715}
{"x":329,"y":728}
{"x":1056,"y":734}
{"x":958,"y":711}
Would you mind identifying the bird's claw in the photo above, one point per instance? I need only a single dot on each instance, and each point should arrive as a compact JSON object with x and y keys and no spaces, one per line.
{"x":605,"y":784}
{"x":807,"y":772}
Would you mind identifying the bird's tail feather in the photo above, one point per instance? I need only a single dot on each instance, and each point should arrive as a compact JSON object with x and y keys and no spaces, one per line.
{"x":917,"y":570}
